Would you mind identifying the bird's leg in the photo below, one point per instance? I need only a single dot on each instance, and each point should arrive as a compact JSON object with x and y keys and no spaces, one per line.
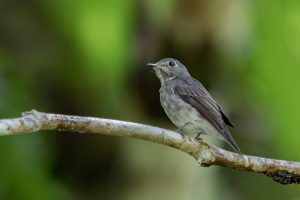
{"x":198,"y":138}
{"x":198,"y":135}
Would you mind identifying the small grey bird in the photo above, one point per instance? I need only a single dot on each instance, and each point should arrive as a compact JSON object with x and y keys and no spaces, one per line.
{"x":188,"y":104}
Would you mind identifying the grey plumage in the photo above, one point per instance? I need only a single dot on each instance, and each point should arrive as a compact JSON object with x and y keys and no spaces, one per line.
{"x":188,"y":104}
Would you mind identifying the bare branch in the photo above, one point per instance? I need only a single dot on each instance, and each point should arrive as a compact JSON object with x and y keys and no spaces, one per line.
{"x":284,"y":172}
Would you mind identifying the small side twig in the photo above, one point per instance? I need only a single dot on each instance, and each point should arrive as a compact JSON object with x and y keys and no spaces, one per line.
{"x":284,"y":172}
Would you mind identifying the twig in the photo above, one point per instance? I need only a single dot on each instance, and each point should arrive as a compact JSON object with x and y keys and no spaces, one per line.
{"x":284,"y":172}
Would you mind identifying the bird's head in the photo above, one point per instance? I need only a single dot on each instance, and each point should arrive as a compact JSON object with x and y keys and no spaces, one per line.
{"x":168,"y":68}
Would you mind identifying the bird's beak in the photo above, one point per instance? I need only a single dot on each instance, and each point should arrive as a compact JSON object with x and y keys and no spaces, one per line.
{"x":152,"y":64}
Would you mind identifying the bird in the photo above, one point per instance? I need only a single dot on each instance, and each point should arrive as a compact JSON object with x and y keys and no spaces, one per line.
{"x":189,"y":105}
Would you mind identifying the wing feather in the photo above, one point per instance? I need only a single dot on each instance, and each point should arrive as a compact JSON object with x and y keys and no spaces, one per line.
{"x":198,"y":97}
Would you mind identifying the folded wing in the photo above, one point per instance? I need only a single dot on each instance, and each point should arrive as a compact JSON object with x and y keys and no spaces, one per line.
{"x":198,"y":97}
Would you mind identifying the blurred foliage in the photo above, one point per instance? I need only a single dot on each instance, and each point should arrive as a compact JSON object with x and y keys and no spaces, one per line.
{"x":88,"y":58}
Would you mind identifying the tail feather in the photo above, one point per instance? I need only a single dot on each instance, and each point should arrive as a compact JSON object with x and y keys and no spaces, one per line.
{"x":229,"y":139}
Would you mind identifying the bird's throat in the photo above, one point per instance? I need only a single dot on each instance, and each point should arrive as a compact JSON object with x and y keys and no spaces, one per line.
{"x":161,"y":75}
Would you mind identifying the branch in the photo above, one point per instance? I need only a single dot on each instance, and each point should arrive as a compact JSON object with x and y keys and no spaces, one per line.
{"x":284,"y":172}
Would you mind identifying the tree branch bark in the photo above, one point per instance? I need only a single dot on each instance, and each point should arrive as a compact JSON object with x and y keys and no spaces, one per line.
{"x":284,"y":172}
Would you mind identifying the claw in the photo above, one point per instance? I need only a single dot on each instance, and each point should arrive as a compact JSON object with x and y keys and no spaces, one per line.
{"x":198,"y":138}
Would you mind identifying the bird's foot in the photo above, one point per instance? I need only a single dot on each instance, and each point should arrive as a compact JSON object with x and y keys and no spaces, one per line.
{"x":198,"y":138}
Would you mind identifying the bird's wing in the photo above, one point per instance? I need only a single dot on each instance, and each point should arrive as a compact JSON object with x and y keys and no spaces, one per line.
{"x":198,"y":97}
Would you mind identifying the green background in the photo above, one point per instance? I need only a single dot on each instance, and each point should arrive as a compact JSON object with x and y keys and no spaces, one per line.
{"x":88,"y":58}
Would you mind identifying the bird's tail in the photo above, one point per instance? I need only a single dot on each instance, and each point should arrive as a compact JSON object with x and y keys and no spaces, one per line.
{"x":229,"y":139}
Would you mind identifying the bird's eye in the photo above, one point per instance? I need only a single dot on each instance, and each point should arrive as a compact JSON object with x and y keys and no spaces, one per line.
{"x":172,"y":63}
